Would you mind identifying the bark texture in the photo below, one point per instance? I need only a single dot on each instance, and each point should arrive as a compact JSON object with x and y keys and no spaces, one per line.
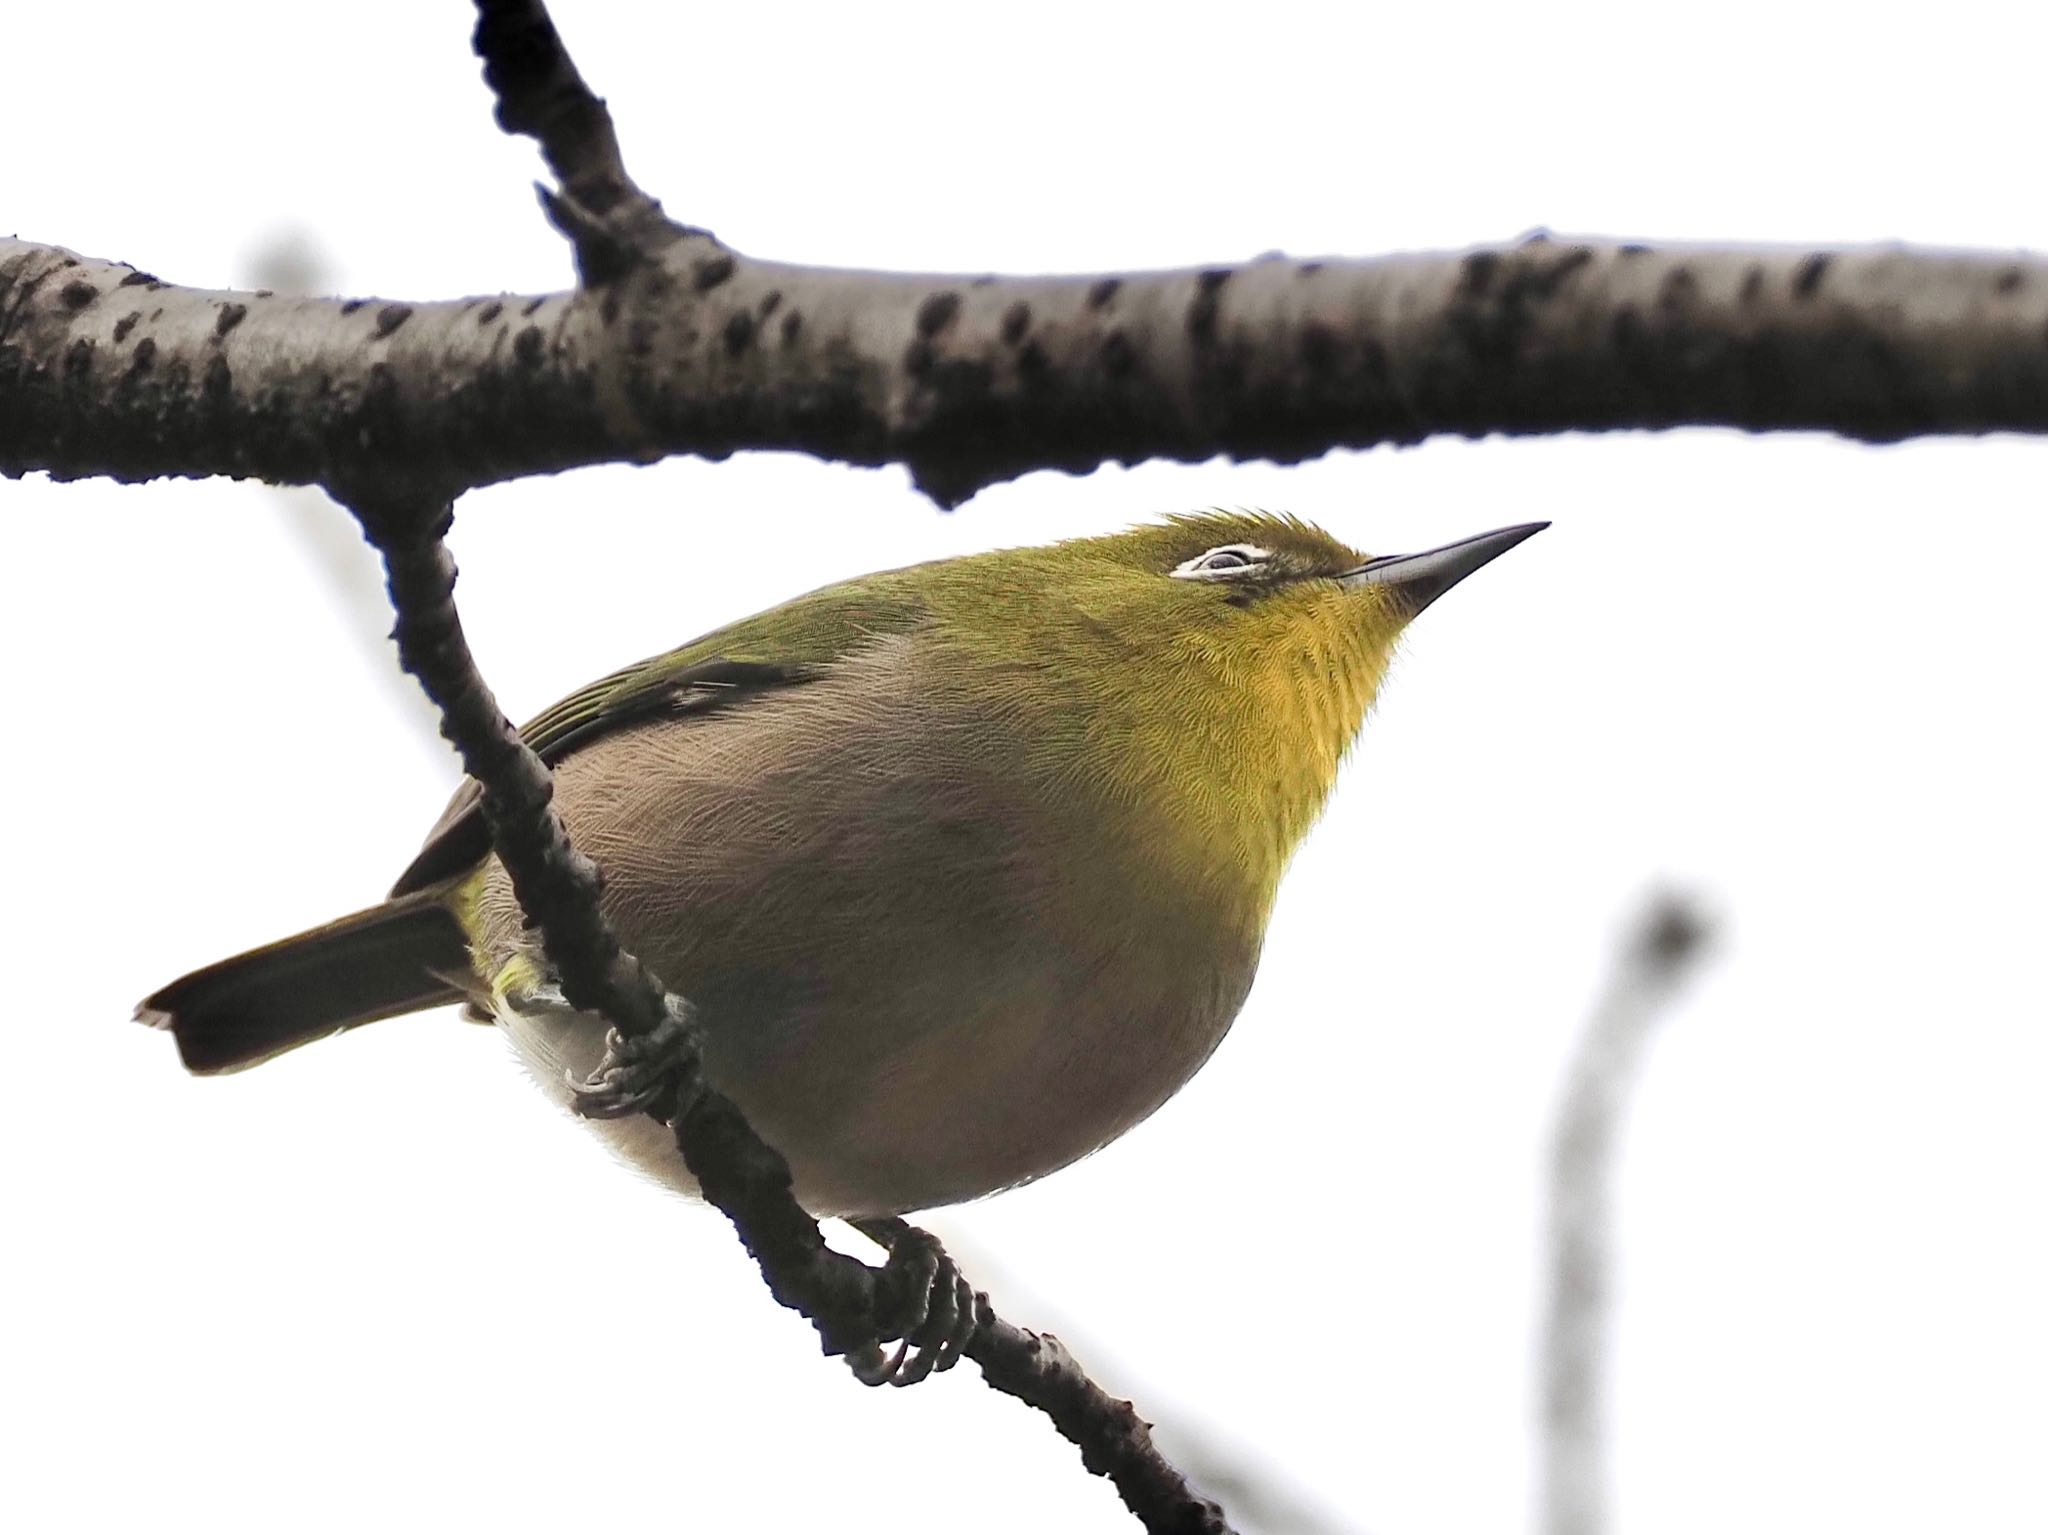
{"x":105,"y":370}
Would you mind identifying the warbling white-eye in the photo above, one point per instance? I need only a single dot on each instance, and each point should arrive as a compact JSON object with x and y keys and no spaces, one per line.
{"x":966,"y":866}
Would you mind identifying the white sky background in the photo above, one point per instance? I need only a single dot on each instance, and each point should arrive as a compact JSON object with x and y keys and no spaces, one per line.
{"x":381,"y":1284}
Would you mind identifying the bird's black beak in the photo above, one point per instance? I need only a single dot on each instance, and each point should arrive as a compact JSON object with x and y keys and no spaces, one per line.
{"x":1419,"y":579}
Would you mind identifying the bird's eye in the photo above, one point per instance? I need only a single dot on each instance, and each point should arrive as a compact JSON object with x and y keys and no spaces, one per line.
{"x":1222,"y":563}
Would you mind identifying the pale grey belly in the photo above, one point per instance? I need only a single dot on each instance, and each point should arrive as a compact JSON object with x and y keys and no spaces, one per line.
{"x":922,"y":979}
{"x":556,"y":1046}
{"x":876,"y":1123}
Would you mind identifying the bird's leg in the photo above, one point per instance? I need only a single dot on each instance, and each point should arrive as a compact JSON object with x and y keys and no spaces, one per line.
{"x":920,"y":1297}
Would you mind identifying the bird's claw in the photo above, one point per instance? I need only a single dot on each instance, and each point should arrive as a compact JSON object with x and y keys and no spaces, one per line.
{"x":638,"y":1070}
{"x":922,"y":1299}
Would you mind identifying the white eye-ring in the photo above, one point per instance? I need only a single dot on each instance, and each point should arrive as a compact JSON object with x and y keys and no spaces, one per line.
{"x":1223,"y":563}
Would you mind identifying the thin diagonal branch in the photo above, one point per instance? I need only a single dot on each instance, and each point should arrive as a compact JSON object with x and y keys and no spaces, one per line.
{"x":742,"y":1175}
{"x":1659,"y":955}
{"x":971,"y":380}
{"x":611,"y":222}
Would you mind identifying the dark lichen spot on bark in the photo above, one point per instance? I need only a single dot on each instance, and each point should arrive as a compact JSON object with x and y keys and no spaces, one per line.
{"x":609,"y":307}
{"x":1492,"y":309}
{"x":1678,"y":289}
{"x":1476,"y":273}
{"x":229,"y":317}
{"x":739,"y":332}
{"x":489,"y":312}
{"x":1807,"y":280}
{"x":218,"y":383}
{"x":640,"y":336}
{"x":770,"y":302}
{"x":937,"y":312}
{"x":1308,"y":269}
{"x":354,"y":304}
{"x":2009,"y":280}
{"x":390,"y":317}
{"x":532,"y":307}
{"x":529,"y":346}
{"x":1752,"y":285}
{"x":1318,"y":348}
{"x":792,"y":324}
{"x":125,"y":324}
{"x":77,"y":295}
{"x":1102,"y":293}
{"x":710,"y":272}
{"x":1016,"y":321}
{"x":1202,"y":308}
{"x":145,"y":355}
{"x":986,"y":280}
{"x":78,"y":359}
{"x":1118,"y":355}
{"x":134,"y":278}
{"x":175,"y":379}
{"x":1633,"y":250}
{"x":380,"y":403}
{"x":1566,"y":264}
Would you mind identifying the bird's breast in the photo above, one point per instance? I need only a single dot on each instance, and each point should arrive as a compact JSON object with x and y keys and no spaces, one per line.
{"x":925,"y":973}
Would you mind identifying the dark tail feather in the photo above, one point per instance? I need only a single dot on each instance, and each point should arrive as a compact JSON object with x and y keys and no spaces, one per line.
{"x":396,"y":958}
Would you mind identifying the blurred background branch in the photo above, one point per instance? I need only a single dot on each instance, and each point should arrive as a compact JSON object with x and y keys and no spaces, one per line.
{"x":1666,"y":941}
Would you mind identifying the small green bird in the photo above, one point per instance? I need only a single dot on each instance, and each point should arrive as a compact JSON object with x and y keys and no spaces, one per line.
{"x":966,"y":866}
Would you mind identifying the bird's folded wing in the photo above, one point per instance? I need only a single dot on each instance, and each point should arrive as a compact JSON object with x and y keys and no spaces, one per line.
{"x":780,"y":648}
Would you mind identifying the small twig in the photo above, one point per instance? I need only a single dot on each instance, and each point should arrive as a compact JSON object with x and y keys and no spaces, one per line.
{"x":557,"y":886}
{"x":612,"y":224}
{"x":1114,"y":1441}
{"x":558,"y":889}
{"x":1659,"y":956}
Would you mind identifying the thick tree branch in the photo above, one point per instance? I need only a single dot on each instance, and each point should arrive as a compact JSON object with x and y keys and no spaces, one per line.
{"x":742,"y":1175}
{"x":972,"y":380}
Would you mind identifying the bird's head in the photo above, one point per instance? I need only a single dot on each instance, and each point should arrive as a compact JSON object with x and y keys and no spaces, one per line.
{"x":1217,"y":664}
{"x":1254,"y":578}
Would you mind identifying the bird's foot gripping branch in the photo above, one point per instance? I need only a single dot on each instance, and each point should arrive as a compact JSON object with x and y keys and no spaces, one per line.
{"x":640,"y":1073}
{"x":922,"y":1298}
